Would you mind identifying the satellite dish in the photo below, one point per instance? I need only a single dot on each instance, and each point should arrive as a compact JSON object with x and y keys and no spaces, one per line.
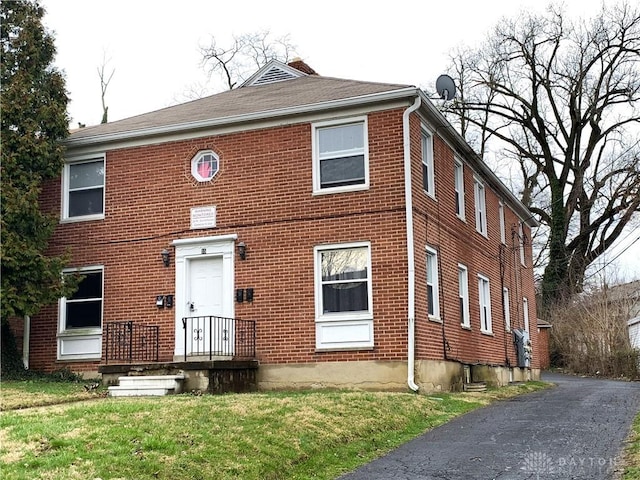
{"x":445,"y":87}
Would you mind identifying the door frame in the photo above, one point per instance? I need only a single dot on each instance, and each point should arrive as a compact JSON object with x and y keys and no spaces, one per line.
{"x":188,"y":250}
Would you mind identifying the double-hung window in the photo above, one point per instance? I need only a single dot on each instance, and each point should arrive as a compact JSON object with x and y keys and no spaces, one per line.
{"x":503,"y":235}
{"x":481,"y":207}
{"x":341,"y":157}
{"x":506,"y":305}
{"x":485,"y":304}
{"x":458,"y":184}
{"x":80,"y":317}
{"x":428,"y":174}
{"x":83,"y":189}
{"x":463,"y":296}
{"x":344,"y":307}
{"x":521,"y":242}
{"x":433,"y":294}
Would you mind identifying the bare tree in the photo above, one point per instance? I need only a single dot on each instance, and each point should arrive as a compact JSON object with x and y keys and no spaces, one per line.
{"x":245,"y":55}
{"x":104,"y":83}
{"x":561,"y":101}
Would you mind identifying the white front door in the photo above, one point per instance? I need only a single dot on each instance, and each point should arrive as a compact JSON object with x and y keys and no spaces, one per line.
{"x":204,"y":302}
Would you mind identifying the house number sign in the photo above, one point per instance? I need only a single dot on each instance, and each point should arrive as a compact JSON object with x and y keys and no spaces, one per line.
{"x":203,"y":217}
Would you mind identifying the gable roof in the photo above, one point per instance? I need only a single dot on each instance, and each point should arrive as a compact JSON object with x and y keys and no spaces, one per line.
{"x":258,"y":101}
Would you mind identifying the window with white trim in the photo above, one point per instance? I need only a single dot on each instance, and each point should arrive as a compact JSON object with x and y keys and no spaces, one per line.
{"x":344,"y":305}
{"x":484,"y":295}
{"x":463,"y":296}
{"x":481,"y":206}
{"x":340,"y":156}
{"x":205,"y":165}
{"x":458,"y":183}
{"x":506,"y":305}
{"x":428,"y":174}
{"x":521,"y":241}
{"x":525,"y":312}
{"x":83,"y":189}
{"x":80,"y":316}
{"x":433,"y":294}
{"x":503,"y":235}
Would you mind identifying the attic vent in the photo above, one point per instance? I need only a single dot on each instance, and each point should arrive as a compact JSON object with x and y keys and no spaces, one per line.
{"x":274,"y":74}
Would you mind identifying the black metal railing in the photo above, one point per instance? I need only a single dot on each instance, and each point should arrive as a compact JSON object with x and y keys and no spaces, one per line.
{"x":219,"y":336}
{"x":131,"y":342}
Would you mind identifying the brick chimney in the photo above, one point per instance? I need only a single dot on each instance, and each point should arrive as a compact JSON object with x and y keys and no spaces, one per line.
{"x":298,"y":64}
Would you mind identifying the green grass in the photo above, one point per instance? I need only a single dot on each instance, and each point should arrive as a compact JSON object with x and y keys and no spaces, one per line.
{"x":632,"y":453}
{"x":16,"y":394}
{"x":300,"y":435}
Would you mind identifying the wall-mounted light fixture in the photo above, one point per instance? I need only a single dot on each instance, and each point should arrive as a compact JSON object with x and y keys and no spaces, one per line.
{"x":166,"y":257}
{"x":242,"y":251}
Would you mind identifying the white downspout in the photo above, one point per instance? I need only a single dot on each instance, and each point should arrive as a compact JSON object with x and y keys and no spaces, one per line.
{"x":25,"y":341}
{"x":411,"y":272}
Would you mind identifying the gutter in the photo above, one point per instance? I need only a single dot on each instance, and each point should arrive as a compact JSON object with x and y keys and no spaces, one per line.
{"x":411,"y":272}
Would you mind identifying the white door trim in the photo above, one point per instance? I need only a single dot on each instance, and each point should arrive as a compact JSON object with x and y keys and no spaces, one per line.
{"x":188,"y":249}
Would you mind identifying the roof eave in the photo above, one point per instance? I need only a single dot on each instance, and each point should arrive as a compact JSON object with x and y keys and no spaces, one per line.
{"x":470,"y":154}
{"x":235,"y":119}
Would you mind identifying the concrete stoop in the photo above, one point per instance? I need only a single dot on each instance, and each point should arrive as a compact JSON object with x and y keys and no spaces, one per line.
{"x":147,"y":385}
{"x":475,"y":387}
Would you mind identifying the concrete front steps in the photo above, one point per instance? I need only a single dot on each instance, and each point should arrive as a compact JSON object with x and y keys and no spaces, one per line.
{"x":147,"y":385}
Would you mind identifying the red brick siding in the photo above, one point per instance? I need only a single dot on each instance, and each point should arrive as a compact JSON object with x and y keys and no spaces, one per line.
{"x":263,"y":193}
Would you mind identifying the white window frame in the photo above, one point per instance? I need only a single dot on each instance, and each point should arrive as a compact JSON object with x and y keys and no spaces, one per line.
{"x":463,"y":295}
{"x":506,"y":304}
{"x":315,"y":149}
{"x":521,"y":241}
{"x":479,"y":193}
{"x":426,"y":143}
{"x":342,"y":330}
{"x":458,"y":185}
{"x":432,"y":280}
{"x":503,"y":234}
{"x":484,"y":297}
{"x":66,"y":172}
{"x":194,"y":165}
{"x":525,"y":313}
{"x":80,"y":343}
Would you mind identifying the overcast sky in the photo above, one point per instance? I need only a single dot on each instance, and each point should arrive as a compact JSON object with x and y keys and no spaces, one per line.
{"x":153,"y":46}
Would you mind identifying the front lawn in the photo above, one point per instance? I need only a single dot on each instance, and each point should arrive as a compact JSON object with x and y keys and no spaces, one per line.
{"x":301,"y":435}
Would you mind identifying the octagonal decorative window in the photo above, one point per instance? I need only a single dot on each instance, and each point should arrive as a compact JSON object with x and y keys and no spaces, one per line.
{"x":204,"y":166}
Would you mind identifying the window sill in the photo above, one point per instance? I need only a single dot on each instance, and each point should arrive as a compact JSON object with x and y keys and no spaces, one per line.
{"x":369,"y":348}
{"x":432,"y":196}
{"x":85,"y":218}
{"x":484,"y":234}
{"x":329,"y":191}
{"x":465,"y":327}
{"x":461,"y":218}
{"x":487,"y":333}
{"x":434,"y":319}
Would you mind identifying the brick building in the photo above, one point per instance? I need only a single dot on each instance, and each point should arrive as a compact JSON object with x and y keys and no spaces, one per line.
{"x":369,"y":244}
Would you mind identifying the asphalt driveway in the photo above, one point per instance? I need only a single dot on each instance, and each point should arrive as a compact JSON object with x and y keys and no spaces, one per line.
{"x":572,"y":431}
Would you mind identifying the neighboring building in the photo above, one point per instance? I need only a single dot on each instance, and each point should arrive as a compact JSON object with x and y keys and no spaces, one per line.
{"x":348,"y":219}
{"x":544,"y":339}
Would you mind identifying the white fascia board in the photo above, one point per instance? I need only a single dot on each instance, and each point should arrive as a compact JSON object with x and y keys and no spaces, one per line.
{"x":239,"y":119}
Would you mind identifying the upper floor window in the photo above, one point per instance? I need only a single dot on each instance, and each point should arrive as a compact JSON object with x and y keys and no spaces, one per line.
{"x":458,"y":183}
{"x":485,"y":304}
{"x":525,"y":312}
{"x":433,"y":294}
{"x":204,"y":166}
{"x":521,"y":241}
{"x":503,"y":237}
{"x":428,"y":177}
{"x":83,"y":190}
{"x":340,"y":156}
{"x":481,"y":207}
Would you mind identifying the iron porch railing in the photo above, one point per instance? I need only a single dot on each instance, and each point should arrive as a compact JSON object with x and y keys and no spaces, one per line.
{"x":131,"y":342}
{"x":219,"y":336}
